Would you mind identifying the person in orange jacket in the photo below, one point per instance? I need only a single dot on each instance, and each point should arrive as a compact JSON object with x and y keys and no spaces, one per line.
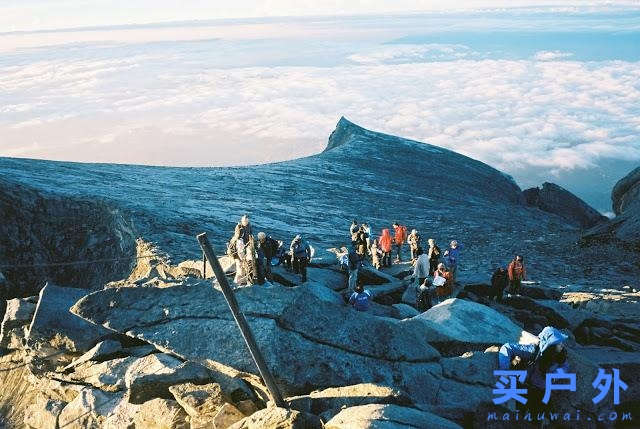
{"x":444,"y":290}
{"x":399,"y":237}
{"x":517,"y":273}
{"x":384,"y":242}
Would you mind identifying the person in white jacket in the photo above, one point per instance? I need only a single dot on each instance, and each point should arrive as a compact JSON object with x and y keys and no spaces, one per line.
{"x":421,"y":269}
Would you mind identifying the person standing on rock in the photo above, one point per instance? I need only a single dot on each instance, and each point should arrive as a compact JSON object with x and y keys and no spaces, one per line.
{"x":367,"y":235}
{"x":452,"y":257}
{"x":499,"y":282}
{"x":360,"y":298}
{"x":434,"y":256}
{"x":353,"y":230}
{"x":266,"y":249}
{"x":421,"y":269}
{"x":375,"y":255}
{"x":517,"y":273}
{"x":355,"y":262}
{"x":361,"y":242}
{"x":243,"y":229}
{"x":301,"y":254}
{"x":414,"y":242}
{"x":399,"y":237}
{"x":385,"y":242}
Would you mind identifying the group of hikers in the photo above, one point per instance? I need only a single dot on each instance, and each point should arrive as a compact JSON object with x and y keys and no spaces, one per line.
{"x":434,"y":270}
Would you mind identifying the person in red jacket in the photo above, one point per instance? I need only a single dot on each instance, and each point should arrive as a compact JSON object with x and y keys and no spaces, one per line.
{"x":384,"y":242}
{"x":399,"y":237}
{"x":517,"y":273}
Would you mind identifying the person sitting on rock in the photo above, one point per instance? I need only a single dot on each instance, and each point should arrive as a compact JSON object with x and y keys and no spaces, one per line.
{"x":301,"y":254}
{"x":414,"y":242}
{"x":266,"y":251}
{"x":499,"y":282}
{"x":442,"y":280}
{"x":434,"y":256}
{"x":385,"y":242}
{"x":421,"y":269}
{"x":360,"y":298}
{"x":452,"y":257}
{"x":423,"y":297}
{"x":517,"y":273}
{"x":547,"y":357}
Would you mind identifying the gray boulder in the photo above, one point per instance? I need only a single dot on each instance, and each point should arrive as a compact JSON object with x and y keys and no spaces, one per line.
{"x":557,"y":200}
{"x":387,"y":416}
{"x":307,"y":342}
{"x":151,"y":376}
{"x":457,"y":325}
{"x":200,"y":400}
{"x":102,"y":351}
{"x":108,"y":376}
{"x":160,"y":414}
{"x":273,"y":417}
{"x":53,"y":326}
{"x":15,"y":324}
{"x":44,"y":413}
{"x":89,"y":409}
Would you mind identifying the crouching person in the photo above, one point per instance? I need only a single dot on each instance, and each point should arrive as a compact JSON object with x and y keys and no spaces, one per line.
{"x":547,"y":357}
{"x":423,"y":297}
{"x":360,"y":298}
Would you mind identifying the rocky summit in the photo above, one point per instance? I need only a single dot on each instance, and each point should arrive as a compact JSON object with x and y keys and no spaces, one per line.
{"x":111,"y":319}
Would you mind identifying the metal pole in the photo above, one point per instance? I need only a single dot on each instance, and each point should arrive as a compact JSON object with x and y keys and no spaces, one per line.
{"x":245,"y":329}
{"x":204,"y":265}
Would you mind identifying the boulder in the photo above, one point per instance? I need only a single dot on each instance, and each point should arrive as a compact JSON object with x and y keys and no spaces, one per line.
{"x":200,"y":400}
{"x":557,"y":200}
{"x":160,"y":414}
{"x":457,"y":325}
{"x":15,"y":324}
{"x":89,"y":409}
{"x":275,"y":418}
{"x":370,"y":276}
{"x":226,"y":416}
{"x":44,"y":413}
{"x":102,"y":351}
{"x":54,"y":326}
{"x":108,"y":376}
{"x":319,"y":401}
{"x":332,"y":279}
{"x":307,"y":342}
{"x":405,"y":311}
{"x":151,"y":376}
{"x":388,"y":416}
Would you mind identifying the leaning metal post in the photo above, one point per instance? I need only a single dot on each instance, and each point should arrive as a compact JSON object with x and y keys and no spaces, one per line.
{"x":204,"y":265}
{"x":245,"y":329}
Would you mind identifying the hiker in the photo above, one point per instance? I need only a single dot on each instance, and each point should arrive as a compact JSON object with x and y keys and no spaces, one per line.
{"x":385,"y":245}
{"x":343,"y":259}
{"x":353,"y":229}
{"x":266,"y":249}
{"x":375,"y":255}
{"x":517,"y":273}
{"x":434,"y":256}
{"x":423,"y":297}
{"x":236,"y":249}
{"x":283,"y":255}
{"x":355,"y":262}
{"x":361,"y":242}
{"x":452,"y":257}
{"x":360,"y":298}
{"x":499,"y":282}
{"x":243,"y":229}
{"x":547,"y":357}
{"x":421,"y":269}
{"x":301,"y":256}
{"x":414,"y":242}
{"x":442,"y":280}
{"x":367,"y":235}
{"x":399,"y":237}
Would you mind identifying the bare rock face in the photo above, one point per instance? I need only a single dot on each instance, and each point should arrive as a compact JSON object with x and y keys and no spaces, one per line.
{"x":15,"y":325}
{"x":387,"y":416}
{"x":161,"y":414}
{"x":89,"y":409}
{"x":200,"y":400}
{"x":557,"y":200}
{"x":275,"y":418}
{"x":44,"y":413}
{"x":39,"y":228}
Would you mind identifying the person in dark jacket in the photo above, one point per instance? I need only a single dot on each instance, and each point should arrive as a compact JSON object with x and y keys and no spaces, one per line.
{"x":423,"y":297}
{"x":266,"y":249}
{"x":361,"y":242}
{"x":547,"y":357}
{"x":499,"y":282}
{"x":243,"y":229}
{"x":301,"y":255}
{"x":434,"y":256}
{"x":355,"y":262}
{"x":517,"y":273}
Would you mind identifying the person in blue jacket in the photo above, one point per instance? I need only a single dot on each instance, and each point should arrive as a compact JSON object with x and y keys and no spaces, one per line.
{"x":452,"y":258}
{"x":548,"y":356}
{"x":360,"y":298}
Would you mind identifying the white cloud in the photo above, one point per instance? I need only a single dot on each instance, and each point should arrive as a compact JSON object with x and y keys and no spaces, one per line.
{"x":551,"y":55}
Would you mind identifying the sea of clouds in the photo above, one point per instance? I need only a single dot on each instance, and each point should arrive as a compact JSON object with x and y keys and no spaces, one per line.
{"x":244,"y":93}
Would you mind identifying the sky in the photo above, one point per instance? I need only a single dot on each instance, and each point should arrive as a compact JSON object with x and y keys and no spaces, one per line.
{"x":545,"y":92}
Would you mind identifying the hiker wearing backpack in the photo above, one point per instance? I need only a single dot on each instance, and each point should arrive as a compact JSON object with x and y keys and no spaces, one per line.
{"x":243,"y":229}
{"x":301,"y":255}
{"x":399,"y":237}
{"x":517,"y":273}
{"x":360,"y":298}
{"x":499,"y":282}
{"x":434,"y":256}
{"x":266,"y":249}
{"x":547,"y":357}
{"x":452,"y":257}
{"x":385,"y":242}
{"x":414,"y":242}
